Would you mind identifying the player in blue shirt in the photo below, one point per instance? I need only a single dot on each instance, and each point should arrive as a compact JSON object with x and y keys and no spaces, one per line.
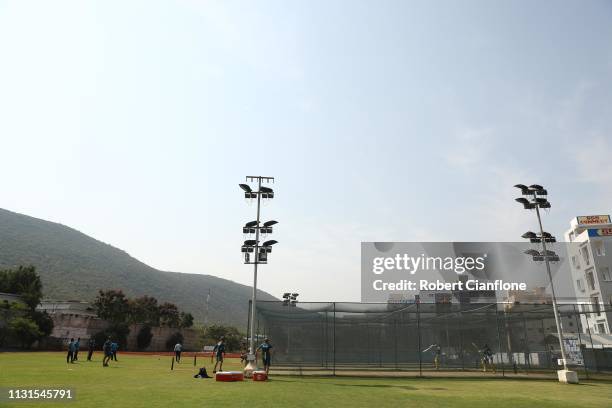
{"x":114,"y":347}
{"x":71,"y":348}
{"x":108,"y":354}
{"x":77,"y":346}
{"x":219,"y":352}
{"x":266,"y":353}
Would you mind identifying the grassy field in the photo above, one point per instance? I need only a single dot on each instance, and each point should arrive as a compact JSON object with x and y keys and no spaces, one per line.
{"x":146,"y":381}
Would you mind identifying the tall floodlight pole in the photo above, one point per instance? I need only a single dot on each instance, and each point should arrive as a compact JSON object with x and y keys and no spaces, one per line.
{"x":537,"y":199}
{"x":259,"y":250}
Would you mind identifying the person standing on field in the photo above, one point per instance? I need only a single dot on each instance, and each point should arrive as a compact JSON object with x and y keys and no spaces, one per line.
{"x":108,"y":354}
{"x":114,"y":348}
{"x":219,"y":352}
{"x":70,"y":355}
{"x":91,"y":345}
{"x":177,"y":352}
{"x":77,"y":346}
{"x":266,"y":354}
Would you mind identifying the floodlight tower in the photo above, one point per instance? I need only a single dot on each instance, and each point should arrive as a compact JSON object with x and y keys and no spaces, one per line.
{"x":535,"y":197}
{"x":259,"y":250}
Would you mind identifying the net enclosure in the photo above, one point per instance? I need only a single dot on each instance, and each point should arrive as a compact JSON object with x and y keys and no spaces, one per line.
{"x":500,"y":337}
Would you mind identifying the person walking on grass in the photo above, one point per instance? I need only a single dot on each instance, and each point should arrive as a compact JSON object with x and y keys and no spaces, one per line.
{"x":91,"y":346}
{"x":77,"y":346}
{"x":70,"y":355}
{"x":266,"y":353}
{"x":219,"y":352}
{"x":178,"y":347}
{"x":108,"y":354}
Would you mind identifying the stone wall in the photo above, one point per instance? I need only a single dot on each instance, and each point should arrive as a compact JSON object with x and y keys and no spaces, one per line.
{"x":67,"y":326}
{"x":161,"y":335}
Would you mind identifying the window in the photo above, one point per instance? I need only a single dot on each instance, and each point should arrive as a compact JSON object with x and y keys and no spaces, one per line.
{"x":576,"y":262}
{"x":590,"y":279}
{"x":600,"y":250}
{"x":585,"y":255}
{"x":579,"y":285}
{"x":601,"y":328}
{"x":605,"y":274}
{"x":595,"y":306}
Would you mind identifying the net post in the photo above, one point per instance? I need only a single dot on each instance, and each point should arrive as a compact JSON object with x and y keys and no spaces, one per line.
{"x":526,"y":341}
{"x":419,"y":332}
{"x":334,"y":337}
{"x":592,"y":347}
{"x":586,"y":371}
{"x":499,"y":341}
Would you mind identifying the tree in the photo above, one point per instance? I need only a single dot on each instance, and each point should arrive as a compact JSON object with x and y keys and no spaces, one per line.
{"x":112,"y":305}
{"x":144,"y":337}
{"x":43,"y":321}
{"x":144,"y":310}
{"x":186,"y":320}
{"x":233,"y":338}
{"x":177,"y":337}
{"x":23,"y":322}
{"x":23,"y":281}
{"x":118,"y":332}
{"x":169,"y":315}
{"x":25,"y":331}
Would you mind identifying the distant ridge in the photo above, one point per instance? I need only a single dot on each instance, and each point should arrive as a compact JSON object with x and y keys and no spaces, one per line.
{"x":64,"y":255}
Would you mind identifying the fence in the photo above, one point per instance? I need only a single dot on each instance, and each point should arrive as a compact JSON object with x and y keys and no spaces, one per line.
{"x":332,"y":337}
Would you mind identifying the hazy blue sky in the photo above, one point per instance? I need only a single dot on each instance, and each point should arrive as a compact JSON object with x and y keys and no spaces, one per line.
{"x":134,"y":121}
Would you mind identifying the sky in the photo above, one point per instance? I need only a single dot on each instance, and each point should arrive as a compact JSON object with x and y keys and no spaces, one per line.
{"x":134,"y":122}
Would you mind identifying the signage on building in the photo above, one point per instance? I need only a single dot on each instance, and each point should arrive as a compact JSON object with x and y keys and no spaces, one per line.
{"x":600,"y":232}
{"x":593,"y":219}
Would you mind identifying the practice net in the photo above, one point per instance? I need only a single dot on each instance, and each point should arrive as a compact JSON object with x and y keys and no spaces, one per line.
{"x":501,"y":338}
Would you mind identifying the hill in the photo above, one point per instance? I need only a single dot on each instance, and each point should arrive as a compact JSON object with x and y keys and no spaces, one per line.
{"x":73,"y":266}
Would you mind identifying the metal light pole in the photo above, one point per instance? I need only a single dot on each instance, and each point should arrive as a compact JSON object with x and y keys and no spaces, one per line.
{"x":259,"y":251}
{"x":536,"y":192}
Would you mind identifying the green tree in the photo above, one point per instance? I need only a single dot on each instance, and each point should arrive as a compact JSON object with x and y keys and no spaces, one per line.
{"x":118,"y":332}
{"x":169,"y":315}
{"x":144,"y":310}
{"x":15,"y":318}
{"x":43,"y":321}
{"x":25,"y":331}
{"x":23,"y":281}
{"x":186,"y":320}
{"x":144,"y":337}
{"x":233,"y":338}
{"x":112,"y":305}
{"x":177,"y":337}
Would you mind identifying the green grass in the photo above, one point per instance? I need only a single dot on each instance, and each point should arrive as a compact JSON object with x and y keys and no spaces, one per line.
{"x":146,"y":381}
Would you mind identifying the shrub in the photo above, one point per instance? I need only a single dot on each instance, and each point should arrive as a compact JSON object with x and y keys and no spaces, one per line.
{"x":177,"y":337}
{"x":144,"y":337}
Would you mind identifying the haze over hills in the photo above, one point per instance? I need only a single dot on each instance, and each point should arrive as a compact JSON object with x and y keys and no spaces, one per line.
{"x":74,"y":266}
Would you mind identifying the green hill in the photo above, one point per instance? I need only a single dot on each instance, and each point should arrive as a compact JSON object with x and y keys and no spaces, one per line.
{"x":73,"y":266}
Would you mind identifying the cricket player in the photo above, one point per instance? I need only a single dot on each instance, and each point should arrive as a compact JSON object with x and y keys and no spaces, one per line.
{"x":266,"y":353}
{"x":219,"y":352}
{"x":437,"y":350}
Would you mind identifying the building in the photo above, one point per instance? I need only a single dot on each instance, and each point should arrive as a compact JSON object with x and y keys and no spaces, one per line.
{"x":590,"y":251}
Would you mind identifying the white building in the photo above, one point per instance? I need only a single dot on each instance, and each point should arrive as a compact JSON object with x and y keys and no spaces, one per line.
{"x":590,"y":252}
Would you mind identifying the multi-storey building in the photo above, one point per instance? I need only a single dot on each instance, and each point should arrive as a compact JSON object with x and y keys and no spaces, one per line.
{"x":590,"y":251}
